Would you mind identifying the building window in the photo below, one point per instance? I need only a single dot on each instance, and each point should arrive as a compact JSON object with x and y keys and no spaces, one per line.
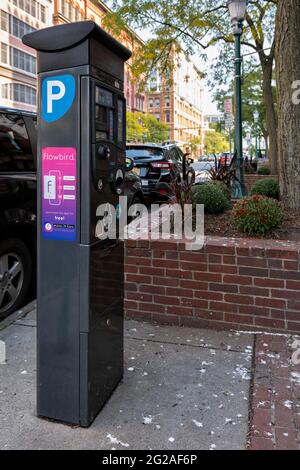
{"x":157,"y":117}
{"x":153,"y":86}
{"x":63,"y":4}
{"x":18,"y":92}
{"x":23,"y":94}
{"x":23,"y":61}
{"x":4,"y":21}
{"x":167,"y":117}
{"x":69,"y":15}
{"x":157,"y":102}
{"x":4,"y":91}
{"x":43,"y":14}
{"x":167,"y":101}
{"x":150,"y":103}
{"x":4,"y":53}
{"x":19,"y":28}
{"x":27,"y":6}
{"x":33,"y":8}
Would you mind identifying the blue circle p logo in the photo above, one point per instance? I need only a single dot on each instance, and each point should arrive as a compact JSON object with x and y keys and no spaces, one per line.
{"x":58,"y":94}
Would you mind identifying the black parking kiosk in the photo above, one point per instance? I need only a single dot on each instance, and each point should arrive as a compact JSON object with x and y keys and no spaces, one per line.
{"x":81,"y":165}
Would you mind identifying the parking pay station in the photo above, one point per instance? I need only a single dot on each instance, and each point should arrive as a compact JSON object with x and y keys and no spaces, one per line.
{"x":81,"y":164}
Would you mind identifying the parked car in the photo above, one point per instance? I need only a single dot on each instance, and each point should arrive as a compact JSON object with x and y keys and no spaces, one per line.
{"x":225,"y":159}
{"x":18,"y":207}
{"x":157,"y":164}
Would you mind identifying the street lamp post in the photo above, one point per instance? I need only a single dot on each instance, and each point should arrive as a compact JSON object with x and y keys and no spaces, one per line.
{"x":237,"y":10}
{"x":256,"y":118}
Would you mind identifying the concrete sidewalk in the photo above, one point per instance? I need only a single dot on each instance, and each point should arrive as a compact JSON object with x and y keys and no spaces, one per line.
{"x":184,"y":389}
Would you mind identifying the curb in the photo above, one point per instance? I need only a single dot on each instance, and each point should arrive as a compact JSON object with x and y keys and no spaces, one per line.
{"x":18,"y":315}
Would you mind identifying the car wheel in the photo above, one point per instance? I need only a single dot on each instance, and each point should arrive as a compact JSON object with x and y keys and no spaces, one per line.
{"x":15,"y":275}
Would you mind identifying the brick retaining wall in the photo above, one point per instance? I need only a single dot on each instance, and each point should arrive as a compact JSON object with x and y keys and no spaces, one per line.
{"x":231,"y":283}
{"x":250,"y":180}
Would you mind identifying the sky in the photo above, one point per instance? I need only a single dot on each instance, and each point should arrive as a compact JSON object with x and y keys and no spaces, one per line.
{"x":209,"y":107}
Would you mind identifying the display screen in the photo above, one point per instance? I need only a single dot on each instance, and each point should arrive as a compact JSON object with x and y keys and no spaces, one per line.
{"x":101,"y":115}
{"x":104,"y":97}
{"x":104,"y":114}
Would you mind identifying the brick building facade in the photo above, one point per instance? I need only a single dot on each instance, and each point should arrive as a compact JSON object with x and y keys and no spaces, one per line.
{"x":180,"y":104}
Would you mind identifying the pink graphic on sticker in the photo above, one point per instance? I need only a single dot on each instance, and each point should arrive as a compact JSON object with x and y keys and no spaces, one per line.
{"x":59,"y":193}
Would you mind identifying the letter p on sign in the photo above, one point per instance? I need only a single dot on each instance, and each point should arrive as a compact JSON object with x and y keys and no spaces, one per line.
{"x":58,"y":94}
{"x":51,"y":95}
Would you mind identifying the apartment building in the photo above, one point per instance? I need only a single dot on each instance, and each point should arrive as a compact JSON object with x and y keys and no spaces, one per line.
{"x":179,"y":104}
{"x":18,"y":62}
{"x":135,"y":99}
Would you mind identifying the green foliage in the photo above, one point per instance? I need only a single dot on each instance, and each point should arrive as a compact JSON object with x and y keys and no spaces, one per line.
{"x":145,"y":127}
{"x":212,"y":197}
{"x":215,"y":142}
{"x":156,"y":131}
{"x":224,"y":174}
{"x":252,"y":99}
{"x":190,"y":27}
{"x":181,"y":192}
{"x":184,"y":25}
{"x":264,"y":171}
{"x":226,"y":190}
{"x":193,"y":146}
{"x":134,"y":127}
{"x":267,"y":187}
{"x":257,"y":215}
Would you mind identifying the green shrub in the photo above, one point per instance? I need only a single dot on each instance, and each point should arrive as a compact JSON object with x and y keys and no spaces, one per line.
{"x":257,"y":215}
{"x":224,"y":188}
{"x":212,"y":196}
{"x":264,"y":171}
{"x":267,"y":187}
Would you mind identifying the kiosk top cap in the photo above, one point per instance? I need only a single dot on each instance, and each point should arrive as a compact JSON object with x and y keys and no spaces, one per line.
{"x":63,"y":37}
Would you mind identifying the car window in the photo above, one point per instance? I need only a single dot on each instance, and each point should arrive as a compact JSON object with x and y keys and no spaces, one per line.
{"x":144,"y":152}
{"x":175,"y":155}
{"x":180,"y":154}
{"x":15,"y":148}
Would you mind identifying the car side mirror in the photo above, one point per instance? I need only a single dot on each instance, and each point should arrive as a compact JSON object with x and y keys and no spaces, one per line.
{"x":190,"y":161}
{"x":129,"y":164}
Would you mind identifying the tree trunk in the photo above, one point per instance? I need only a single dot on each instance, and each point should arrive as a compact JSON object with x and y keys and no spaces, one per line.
{"x":271,"y":119}
{"x":266,"y":139}
{"x":287,"y":72}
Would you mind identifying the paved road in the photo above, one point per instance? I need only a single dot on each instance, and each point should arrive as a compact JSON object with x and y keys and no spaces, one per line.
{"x":183,"y":389}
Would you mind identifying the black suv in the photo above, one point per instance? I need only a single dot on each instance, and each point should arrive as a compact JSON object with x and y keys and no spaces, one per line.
{"x":157,"y":165}
{"x":18,"y":202}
